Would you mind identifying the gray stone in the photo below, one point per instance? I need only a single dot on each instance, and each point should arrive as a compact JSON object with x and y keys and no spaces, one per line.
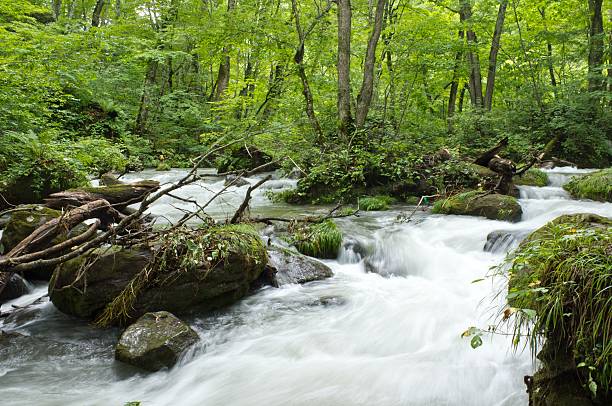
{"x":155,"y":341}
{"x":292,"y":267}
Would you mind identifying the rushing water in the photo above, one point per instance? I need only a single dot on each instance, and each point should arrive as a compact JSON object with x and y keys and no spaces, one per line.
{"x":356,"y":339}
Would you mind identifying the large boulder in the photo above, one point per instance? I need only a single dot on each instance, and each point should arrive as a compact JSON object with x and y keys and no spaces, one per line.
{"x":222,"y":263}
{"x":155,"y":341}
{"x":292,"y":267}
{"x":533,"y":177}
{"x":476,"y":203}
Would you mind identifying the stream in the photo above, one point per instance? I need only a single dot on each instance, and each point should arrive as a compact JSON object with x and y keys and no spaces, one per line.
{"x":358,"y":338}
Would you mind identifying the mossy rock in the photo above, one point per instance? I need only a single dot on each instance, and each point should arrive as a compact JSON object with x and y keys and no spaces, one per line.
{"x":23,"y":221}
{"x":85,"y":291}
{"x":533,"y":177}
{"x":594,"y":186}
{"x":155,"y":341}
{"x":477,"y":203}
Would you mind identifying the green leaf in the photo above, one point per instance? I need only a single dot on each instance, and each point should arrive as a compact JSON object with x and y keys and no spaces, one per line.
{"x":476,"y":341}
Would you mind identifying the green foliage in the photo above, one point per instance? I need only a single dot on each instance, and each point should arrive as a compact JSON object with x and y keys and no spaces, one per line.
{"x":533,"y":177}
{"x":594,"y":186}
{"x":559,"y":288}
{"x":97,"y":155}
{"x":320,"y":240}
{"x":375,"y":203}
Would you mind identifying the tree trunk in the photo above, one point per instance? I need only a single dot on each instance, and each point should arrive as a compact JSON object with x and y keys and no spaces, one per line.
{"x":57,"y":8}
{"x":95,"y":18}
{"x":454,"y":89}
{"x":298,"y":58}
{"x":472,"y":56}
{"x":142,"y":117}
{"x":596,"y":46}
{"x":501,"y":15}
{"x":344,"y":68}
{"x":223,"y":76}
{"x":275,"y":89}
{"x":117,"y":9}
{"x":364,"y":98}
{"x":549,"y":50}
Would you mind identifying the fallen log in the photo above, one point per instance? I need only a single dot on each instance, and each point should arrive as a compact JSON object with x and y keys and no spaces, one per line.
{"x":119,"y":196}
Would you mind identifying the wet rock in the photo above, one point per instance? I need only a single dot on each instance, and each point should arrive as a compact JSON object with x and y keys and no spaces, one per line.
{"x":234,"y":180}
{"x":22,"y":315}
{"x":353,"y":250}
{"x":476,"y":203}
{"x":292,"y":267}
{"x":110,"y":179}
{"x":16,"y":287}
{"x":501,"y":241}
{"x":85,"y":291}
{"x":295,"y":174}
{"x":155,"y":341}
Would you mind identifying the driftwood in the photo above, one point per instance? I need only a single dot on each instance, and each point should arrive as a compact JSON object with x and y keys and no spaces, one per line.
{"x":119,"y":196}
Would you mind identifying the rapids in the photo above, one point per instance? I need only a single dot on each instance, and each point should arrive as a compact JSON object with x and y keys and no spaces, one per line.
{"x":356,"y":339}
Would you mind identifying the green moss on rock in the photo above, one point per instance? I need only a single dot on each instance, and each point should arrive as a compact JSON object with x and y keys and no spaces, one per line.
{"x":559,"y":288}
{"x":477,"y":203}
{"x":23,"y":221}
{"x":533,"y":177}
{"x":593,"y":186}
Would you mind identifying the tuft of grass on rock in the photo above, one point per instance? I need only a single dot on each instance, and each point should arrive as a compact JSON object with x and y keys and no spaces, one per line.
{"x":321,"y":240}
{"x":375,"y":203}
{"x":533,"y":177}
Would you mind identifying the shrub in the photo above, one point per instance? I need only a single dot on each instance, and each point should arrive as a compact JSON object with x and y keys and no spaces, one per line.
{"x":321,"y":240}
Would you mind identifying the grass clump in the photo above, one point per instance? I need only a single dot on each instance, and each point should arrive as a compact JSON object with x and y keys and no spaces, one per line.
{"x":375,"y":203}
{"x":593,"y":186}
{"x":560,"y":289}
{"x":533,"y":177}
{"x":320,"y":240}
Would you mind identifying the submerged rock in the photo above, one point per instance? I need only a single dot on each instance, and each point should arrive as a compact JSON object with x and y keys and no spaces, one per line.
{"x":476,"y":203}
{"x":16,"y":287}
{"x":84,"y":291}
{"x":292,"y":267}
{"x":234,"y":180}
{"x":155,"y":341}
{"x":501,"y":241}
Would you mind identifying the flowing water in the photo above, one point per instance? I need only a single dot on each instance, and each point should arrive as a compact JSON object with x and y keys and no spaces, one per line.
{"x":355,"y":339}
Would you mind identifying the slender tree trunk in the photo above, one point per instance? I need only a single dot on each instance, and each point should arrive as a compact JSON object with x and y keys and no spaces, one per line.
{"x":549,"y":51}
{"x":462,"y":97}
{"x":57,"y":8}
{"x":344,"y":68}
{"x":472,"y":56}
{"x":364,"y":98}
{"x":117,"y":9}
{"x":95,"y":18}
{"x":223,"y":76}
{"x":145,"y":99}
{"x":454,"y":89}
{"x":501,"y":15}
{"x":298,"y":58}
{"x":596,"y":46}
{"x":275,"y":89}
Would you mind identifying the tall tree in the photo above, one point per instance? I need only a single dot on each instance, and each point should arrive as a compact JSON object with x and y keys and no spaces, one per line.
{"x":344,"y":68}
{"x":495,"y":44}
{"x":472,"y":54}
{"x":596,"y":46}
{"x":364,"y":98}
{"x":95,"y":17}
{"x":223,"y":76}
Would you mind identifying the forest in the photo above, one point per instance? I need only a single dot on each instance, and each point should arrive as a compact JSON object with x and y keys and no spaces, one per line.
{"x":206,"y":157}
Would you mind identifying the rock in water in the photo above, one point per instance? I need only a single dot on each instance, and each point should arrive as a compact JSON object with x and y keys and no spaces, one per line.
{"x":16,"y":287}
{"x":155,"y":341}
{"x":234,"y":180}
{"x":292,"y":267}
{"x":476,"y":203}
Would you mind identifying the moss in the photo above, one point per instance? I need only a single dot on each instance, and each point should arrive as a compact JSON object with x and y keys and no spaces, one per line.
{"x":477,"y":203}
{"x":375,"y":203}
{"x":593,"y":186}
{"x":533,"y":177}
{"x":559,"y":288}
{"x":23,"y":222}
{"x":320,"y":240}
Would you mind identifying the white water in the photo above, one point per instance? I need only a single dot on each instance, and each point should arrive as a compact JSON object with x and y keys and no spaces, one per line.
{"x":355,"y":339}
